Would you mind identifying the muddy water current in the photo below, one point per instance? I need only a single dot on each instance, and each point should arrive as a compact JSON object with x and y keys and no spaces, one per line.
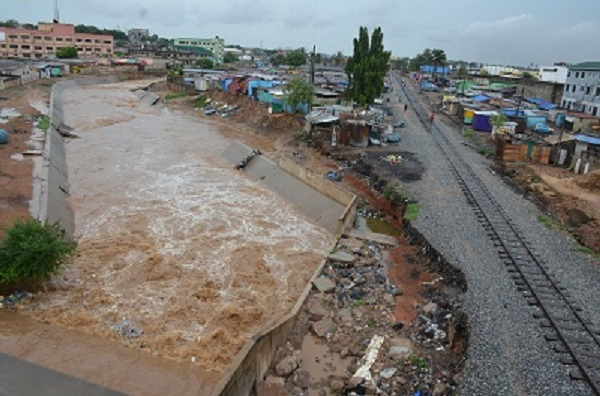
{"x":171,"y":239}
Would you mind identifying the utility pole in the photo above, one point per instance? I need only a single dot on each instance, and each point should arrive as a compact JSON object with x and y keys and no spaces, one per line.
{"x":312,"y":65}
{"x":520,"y":99}
{"x":56,"y":16}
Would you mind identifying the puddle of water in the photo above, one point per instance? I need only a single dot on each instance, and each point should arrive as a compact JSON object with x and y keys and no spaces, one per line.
{"x":320,"y":362}
{"x":376,"y":225}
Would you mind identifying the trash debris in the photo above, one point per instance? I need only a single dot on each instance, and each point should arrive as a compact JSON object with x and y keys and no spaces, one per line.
{"x":334,"y":176}
{"x":242,"y":164}
{"x":126,"y":329}
{"x":13,"y":299}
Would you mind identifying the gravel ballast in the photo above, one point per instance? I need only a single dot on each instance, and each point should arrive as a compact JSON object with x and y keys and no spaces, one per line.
{"x":507,"y":353}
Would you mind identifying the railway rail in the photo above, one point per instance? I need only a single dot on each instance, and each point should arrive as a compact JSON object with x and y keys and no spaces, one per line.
{"x":572,"y":336}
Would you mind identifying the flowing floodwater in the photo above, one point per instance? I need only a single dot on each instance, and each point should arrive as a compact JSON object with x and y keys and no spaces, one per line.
{"x":171,"y":238}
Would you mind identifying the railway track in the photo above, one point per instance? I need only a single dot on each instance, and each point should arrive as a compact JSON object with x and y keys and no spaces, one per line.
{"x":575,"y":339}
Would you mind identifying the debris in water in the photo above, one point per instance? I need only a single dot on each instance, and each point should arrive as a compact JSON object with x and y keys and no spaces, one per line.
{"x":126,"y":329}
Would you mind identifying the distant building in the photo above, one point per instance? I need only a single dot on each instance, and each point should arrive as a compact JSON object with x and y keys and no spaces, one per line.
{"x":20,"y":70}
{"x":582,"y":90}
{"x":138,"y":35}
{"x":554,"y":74}
{"x":49,"y":38}
{"x":215,"y":45}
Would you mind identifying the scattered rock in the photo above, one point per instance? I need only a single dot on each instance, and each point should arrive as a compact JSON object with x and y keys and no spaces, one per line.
{"x":323,"y":327}
{"x":388,"y":372}
{"x":577,"y":218}
{"x":271,"y":379}
{"x":396,"y":291}
{"x":287,"y":365}
{"x":429,"y":308}
{"x":324,"y":284}
{"x":342,"y":257}
{"x":336,"y":384}
{"x":351,"y":243}
{"x":317,"y":309}
{"x":302,"y":379}
{"x":439,"y":389}
{"x":399,"y":351}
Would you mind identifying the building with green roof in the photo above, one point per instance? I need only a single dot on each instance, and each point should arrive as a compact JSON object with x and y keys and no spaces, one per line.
{"x":216,"y":46}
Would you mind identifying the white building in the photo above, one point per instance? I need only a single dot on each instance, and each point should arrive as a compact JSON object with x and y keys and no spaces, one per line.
{"x":554,"y":74}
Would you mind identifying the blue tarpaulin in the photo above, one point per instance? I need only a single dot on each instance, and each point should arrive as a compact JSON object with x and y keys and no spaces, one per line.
{"x":547,"y":106}
{"x":480,"y":98}
{"x":588,"y":139}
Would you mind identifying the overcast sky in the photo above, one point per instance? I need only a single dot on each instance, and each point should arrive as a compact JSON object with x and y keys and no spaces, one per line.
{"x":516,"y":32}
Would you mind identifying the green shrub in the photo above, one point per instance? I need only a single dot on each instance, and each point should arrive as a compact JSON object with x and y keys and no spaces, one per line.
{"x":411,"y":212}
{"x":175,"y":95}
{"x":30,"y":252}
{"x":44,"y":123}
{"x":389,"y":191}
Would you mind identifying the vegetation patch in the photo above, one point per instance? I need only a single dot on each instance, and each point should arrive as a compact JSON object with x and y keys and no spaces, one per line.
{"x":30,"y":252}
{"x":174,"y":95}
{"x":411,"y":213}
{"x":44,"y":123}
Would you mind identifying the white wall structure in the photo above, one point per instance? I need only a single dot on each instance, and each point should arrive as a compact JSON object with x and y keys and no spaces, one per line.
{"x":554,"y":74}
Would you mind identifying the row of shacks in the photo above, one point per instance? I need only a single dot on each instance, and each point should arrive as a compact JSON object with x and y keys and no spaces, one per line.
{"x":572,"y":141}
{"x":265,"y":87}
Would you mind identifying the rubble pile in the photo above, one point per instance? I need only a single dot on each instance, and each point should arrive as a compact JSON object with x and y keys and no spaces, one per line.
{"x":361,"y":349}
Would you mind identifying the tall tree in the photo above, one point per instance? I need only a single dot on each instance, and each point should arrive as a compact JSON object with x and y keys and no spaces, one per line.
{"x":298,"y":91}
{"x":438,"y":58}
{"x":367,"y":67}
{"x":296,"y":58}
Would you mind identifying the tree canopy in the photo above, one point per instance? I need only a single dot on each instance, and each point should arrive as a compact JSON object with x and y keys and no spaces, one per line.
{"x":205,"y":63}
{"x":229,"y":58}
{"x":431,"y":57}
{"x":117,"y":34}
{"x":367,"y":67}
{"x":295,"y":58}
{"x":298,"y":91}
{"x":66,"y":53}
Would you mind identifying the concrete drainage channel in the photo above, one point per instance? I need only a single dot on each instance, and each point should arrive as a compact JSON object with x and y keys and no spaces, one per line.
{"x":52,"y":184}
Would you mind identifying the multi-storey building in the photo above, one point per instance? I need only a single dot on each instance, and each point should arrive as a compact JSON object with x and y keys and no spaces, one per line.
{"x":49,"y":38}
{"x":582,"y":90}
{"x":138,"y":35}
{"x":215,"y":45}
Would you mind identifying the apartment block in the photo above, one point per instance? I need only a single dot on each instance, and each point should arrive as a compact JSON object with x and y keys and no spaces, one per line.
{"x":49,"y":38}
{"x":215,"y":45}
{"x":582,"y":90}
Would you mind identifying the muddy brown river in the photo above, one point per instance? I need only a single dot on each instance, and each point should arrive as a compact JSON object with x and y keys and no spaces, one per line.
{"x":171,"y":239}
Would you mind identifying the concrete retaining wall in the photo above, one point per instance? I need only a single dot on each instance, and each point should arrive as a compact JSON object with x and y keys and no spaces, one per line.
{"x":322,"y":209}
{"x":253,"y":361}
{"x":52,"y":202}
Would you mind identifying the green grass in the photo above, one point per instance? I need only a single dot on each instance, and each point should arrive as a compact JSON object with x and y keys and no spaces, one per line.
{"x":486,"y":152}
{"x":44,"y":123}
{"x":411,"y":213}
{"x":174,"y":95}
{"x":419,"y":362}
{"x":584,"y":249}
{"x":546,"y":221}
{"x":357,"y":303}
